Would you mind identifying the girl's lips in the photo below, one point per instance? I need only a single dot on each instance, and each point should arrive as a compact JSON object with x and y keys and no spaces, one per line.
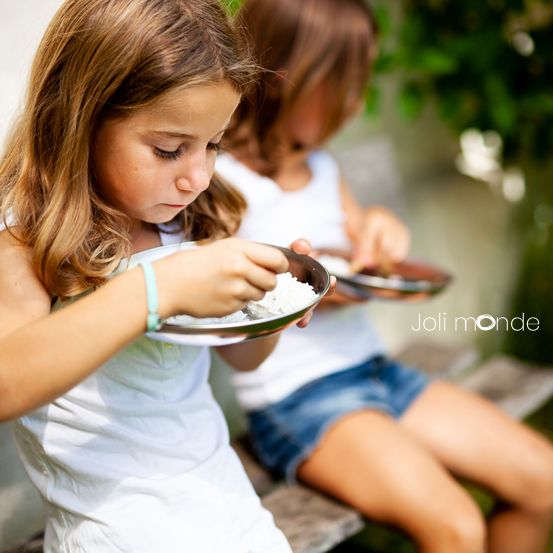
{"x":176,"y":206}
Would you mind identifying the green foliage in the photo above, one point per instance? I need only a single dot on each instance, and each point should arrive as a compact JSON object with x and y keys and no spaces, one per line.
{"x":487,"y":63}
{"x":231,"y":5}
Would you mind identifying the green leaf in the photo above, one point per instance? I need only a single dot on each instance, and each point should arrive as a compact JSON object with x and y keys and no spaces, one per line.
{"x":372,"y":101}
{"x":502,"y":107}
{"x":435,"y":62}
{"x":411,"y":100}
{"x":383,"y":20}
{"x":385,"y":62}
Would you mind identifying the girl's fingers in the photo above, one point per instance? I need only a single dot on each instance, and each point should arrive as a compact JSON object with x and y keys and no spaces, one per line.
{"x":267,"y":257}
{"x":384,"y":240}
{"x":382,"y":245}
{"x":259,"y":277}
{"x":332,"y":287}
{"x":248,"y":292}
{"x":301,"y":246}
{"x":304,"y":321}
{"x":357,"y":265}
{"x":368,"y":251}
{"x":339,"y":299}
{"x":395,"y":246}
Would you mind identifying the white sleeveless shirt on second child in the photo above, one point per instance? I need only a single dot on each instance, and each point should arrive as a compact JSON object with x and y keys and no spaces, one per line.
{"x":136,"y":459}
{"x":336,"y":339}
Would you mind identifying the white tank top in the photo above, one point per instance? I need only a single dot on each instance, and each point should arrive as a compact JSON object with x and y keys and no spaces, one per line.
{"x":136,"y":458}
{"x":336,"y":339}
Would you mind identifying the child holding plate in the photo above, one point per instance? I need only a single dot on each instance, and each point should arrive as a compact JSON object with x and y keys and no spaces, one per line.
{"x":329,"y":407}
{"x":113,"y":155}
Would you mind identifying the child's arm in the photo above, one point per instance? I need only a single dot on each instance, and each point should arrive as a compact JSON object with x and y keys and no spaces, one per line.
{"x":43,"y":355}
{"x":378,"y":236}
{"x":248,"y":356}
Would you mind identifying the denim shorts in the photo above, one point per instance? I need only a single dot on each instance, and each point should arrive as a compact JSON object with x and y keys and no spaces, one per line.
{"x":285,"y":433}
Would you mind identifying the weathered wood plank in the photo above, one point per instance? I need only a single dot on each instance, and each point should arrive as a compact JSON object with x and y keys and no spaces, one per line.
{"x":516,"y":387}
{"x":312,"y":522}
{"x":438,"y":359}
{"x":33,"y":546}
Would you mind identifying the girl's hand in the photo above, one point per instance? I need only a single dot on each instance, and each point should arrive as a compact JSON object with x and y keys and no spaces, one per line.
{"x":303,"y":247}
{"x":249,"y":355}
{"x":218,"y":279}
{"x":338,"y":299}
{"x":383,"y":240}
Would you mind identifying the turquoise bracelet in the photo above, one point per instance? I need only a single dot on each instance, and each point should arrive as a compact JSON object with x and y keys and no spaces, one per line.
{"x":153,"y":322}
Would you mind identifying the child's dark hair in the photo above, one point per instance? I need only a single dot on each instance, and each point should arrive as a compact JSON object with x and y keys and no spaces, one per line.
{"x":301,"y":44}
{"x":102,"y":59}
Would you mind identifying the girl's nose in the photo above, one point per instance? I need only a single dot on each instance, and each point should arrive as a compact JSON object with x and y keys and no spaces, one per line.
{"x":195,"y":177}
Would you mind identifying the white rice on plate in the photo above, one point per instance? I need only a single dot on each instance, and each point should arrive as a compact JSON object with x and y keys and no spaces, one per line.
{"x":289,"y":295}
{"x":187,"y":320}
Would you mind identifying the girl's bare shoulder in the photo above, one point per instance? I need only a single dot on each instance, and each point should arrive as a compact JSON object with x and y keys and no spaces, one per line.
{"x":22,"y":295}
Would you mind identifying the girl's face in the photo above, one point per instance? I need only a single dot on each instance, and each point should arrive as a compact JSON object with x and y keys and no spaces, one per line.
{"x":153,"y":164}
{"x":307,"y":121}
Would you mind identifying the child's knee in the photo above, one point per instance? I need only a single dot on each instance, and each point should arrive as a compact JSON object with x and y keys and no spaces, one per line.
{"x":538,"y":484}
{"x":460,"y":529}
{"x":531,"y":481}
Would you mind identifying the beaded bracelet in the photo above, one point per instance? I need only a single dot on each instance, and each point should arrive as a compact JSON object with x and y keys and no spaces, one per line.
{"x":153,"y":321}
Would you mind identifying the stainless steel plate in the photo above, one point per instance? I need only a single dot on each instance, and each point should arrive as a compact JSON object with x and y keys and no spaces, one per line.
{"x":406,"y":281}
{"x":304,"y":268}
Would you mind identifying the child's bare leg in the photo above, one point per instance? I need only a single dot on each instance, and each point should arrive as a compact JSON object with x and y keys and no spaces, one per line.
{"x":474,"y":439}
{"x":512,"y":527}
{"x":370,"y":462}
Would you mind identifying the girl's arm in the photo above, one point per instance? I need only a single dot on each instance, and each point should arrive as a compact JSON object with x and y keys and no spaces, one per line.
{"x":43,"y":355}
{"x":353,"y":212}
{"x":248,"y":356}
{"x":377,"y":235}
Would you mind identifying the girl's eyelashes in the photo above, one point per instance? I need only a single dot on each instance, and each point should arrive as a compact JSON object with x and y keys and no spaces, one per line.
{"x":165,"y":154}
{"x":175,"y":154}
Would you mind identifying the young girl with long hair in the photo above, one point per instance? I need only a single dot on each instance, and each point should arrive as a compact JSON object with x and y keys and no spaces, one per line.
{"x":114,"y":154}
{"x":329,"y":407}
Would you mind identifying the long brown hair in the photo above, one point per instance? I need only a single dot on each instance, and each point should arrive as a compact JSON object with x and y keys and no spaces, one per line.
{"x":101,"y":59}
{"x":301,"y":44}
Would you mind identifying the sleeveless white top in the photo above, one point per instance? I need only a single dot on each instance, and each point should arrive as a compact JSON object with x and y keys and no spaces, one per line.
{"x":336,"y":339}
{"x":136,"y":459}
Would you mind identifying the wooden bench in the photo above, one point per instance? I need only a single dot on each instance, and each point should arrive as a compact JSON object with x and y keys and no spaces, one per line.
{"x":313,"y":522}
